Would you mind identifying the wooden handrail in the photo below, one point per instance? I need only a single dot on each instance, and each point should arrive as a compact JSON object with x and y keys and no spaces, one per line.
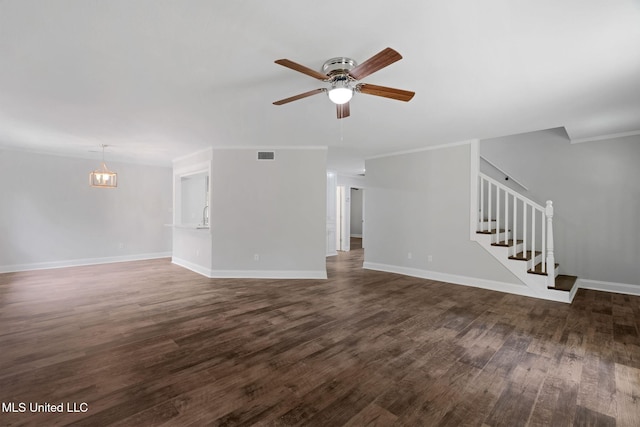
{"x":510,"y":191}
{"x":508,"y":175}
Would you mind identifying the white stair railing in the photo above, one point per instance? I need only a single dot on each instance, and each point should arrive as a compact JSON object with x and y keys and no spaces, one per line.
{"x":550,"y":260}
{"x":522,"y":221}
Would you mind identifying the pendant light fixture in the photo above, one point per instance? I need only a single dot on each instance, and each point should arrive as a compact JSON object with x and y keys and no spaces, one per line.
{"x":103,"y":177}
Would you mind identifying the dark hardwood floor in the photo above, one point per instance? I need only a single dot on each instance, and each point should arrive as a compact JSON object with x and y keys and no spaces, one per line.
{"x":355,"y":242}
{"x":149,"y":343}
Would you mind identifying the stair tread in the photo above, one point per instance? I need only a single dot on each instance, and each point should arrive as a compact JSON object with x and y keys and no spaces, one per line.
{"x":521,"y":256}
{"x":564,"y":282}
{"x":492,"y":231}
{"x":538,"y":269}
{"x":506,"y":243}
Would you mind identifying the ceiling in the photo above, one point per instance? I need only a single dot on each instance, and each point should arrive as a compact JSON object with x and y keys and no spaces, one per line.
{"x":159,"y":79}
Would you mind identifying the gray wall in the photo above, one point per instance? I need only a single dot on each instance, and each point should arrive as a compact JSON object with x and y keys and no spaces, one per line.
{"x":595,"y":189}
{"x":49,"y":216}
{"x":419,"y":203}
{"x":275,"y":209}
{"x":352,"y":181}
{"x":356,"y":211}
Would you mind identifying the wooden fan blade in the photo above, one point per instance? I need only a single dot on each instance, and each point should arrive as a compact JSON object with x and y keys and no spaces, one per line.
{"x":382,"y":59}
{"x":302,"y":69}
{"x":343,"y":110}
{"x":299,"y":96}
{"x":387,"y":92}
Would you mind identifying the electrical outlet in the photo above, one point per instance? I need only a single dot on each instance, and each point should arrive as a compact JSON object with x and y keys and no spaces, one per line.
{"x":409,"y":255}
{"x":256,"y":257}
{"x":429,"y":258}
{"x":197,"y":252}
{"x":120,"y":245}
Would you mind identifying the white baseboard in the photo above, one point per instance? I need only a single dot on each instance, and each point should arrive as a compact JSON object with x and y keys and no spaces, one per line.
{"x":250,"y":274}
{"x":80,"y":262}
{"x":455,"y":279}
{"x":618,"y":288}
{"x":335,"y":253}
{"x":268,"y":274}
{"x":450,"y":278}
{"x":204,"y":271}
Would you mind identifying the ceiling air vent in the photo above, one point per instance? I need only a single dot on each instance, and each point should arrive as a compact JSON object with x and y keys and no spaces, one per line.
{"x":266,"y":155}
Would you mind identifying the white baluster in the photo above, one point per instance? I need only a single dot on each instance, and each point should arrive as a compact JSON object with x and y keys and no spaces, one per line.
{"x":482,"y":181}
{"x":524,"y":229}
{"x":544,"y":243}
{"x":490,"y":217}
{"x":515,"y":226}
{"x":533,"y":236}
{"x":506,"y":217}
{"x":551,"y":262}
{"x":498,"y":213}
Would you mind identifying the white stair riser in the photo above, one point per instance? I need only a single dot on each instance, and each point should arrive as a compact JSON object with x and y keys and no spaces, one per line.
{"x":518,"y":249}
{"x":530,"y":263}
{"x":501,"y":237}
{"x":497,"y":237}
{"x":486,"y":225}
{"x":535,"y":261}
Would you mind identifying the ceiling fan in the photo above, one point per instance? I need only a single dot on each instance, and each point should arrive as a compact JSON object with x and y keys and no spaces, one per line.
{"x":343,"y":74}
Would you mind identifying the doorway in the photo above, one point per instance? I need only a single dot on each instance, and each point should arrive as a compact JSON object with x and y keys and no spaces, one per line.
{"x":350,"y":218}
{"x":356,"y":220}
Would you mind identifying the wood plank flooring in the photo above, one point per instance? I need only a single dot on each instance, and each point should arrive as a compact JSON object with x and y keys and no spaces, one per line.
{"x":150,"y":343}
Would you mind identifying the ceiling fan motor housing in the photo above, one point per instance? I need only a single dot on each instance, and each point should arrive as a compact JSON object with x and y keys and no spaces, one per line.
{"x":338,"y":66}
{"x":337,"y":69}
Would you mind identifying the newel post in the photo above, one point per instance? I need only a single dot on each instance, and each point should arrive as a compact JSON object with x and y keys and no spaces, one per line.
{"x":550,"y":260}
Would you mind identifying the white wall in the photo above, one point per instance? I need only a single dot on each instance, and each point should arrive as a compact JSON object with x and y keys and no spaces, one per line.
{"x":332,"y":217}
{"x":595,"y":189}
{"x":419,"y":203}
{"x":273,"y":209}
{"x":352,"y":181}
{"x":51,"y":217}
{"x":192,"y":249}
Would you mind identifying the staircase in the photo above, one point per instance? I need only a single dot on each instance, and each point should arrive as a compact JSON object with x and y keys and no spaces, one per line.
{"x":519,"y":233}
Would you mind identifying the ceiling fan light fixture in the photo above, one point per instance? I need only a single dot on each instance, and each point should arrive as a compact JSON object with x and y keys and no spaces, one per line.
{"x":340,"y":95}
{"x":340,"y":92}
